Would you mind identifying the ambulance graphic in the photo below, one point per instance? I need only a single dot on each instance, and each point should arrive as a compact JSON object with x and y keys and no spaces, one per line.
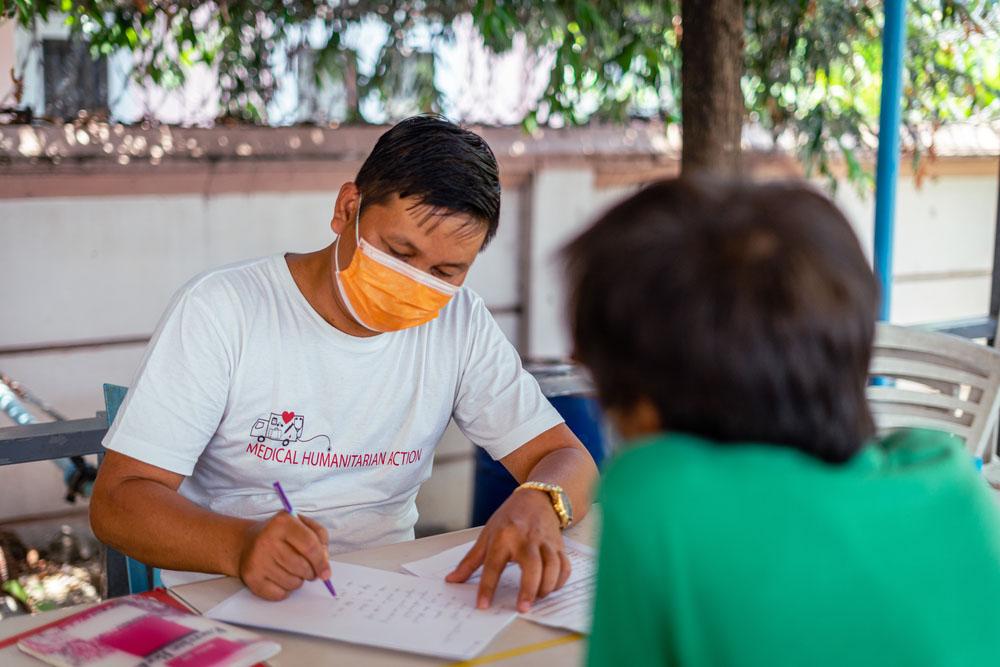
{"x":283,"y":427}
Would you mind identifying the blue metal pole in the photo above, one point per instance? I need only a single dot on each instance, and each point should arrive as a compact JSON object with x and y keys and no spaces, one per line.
{"x":887,"y":167}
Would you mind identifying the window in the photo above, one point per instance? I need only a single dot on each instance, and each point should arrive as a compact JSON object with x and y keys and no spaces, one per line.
{"x":73,"y":80}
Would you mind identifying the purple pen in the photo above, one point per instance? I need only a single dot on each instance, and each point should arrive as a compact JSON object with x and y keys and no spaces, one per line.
{"x":291,"y":510}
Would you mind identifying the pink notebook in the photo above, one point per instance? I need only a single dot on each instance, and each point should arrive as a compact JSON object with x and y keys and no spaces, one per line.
{"x":145,"y":631}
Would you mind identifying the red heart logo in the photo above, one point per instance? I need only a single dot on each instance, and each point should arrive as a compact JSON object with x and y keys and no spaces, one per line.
{"x":288,"y":416}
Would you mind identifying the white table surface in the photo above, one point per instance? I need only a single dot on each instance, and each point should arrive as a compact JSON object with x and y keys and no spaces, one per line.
{"x":522,"y":643}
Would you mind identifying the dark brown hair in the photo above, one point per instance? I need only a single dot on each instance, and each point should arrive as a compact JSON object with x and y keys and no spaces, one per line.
{"x":744,"y":312}
{"x":445,"y":167}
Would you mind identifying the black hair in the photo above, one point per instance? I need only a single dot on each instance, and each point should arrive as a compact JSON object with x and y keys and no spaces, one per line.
{"x":446,"y":168}
{"x":743,"y":312}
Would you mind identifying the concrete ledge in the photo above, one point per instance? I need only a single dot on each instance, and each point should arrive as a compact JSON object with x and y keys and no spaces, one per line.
{"x":92,"y":158}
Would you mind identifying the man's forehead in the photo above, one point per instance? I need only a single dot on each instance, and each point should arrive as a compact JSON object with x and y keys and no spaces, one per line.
{"x":409,"y":219}
{"x":430,"y":218}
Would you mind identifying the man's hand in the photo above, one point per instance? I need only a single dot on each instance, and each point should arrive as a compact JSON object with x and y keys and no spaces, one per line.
{"x":525,"y":530}
{"x":281,"y":553}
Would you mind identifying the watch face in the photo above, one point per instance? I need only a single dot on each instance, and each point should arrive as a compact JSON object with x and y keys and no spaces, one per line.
{"x":567,"y":504}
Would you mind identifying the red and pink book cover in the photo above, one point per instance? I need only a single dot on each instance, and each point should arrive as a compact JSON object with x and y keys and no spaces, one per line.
{"x":142,"y":630}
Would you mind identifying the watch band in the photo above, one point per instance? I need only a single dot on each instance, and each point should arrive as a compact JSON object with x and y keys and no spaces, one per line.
{"x":560,"y":501}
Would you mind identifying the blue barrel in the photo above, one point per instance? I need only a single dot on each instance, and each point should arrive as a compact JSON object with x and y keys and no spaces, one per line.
{"x":572,"y":395}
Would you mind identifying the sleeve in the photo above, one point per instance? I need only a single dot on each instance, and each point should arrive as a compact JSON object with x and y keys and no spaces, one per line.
{"x":629,"y":626}
{"x":179,"y":393}
{"x":498,"y":405}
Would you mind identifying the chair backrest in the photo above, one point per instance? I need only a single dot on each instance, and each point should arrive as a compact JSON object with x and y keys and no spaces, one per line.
{"x":141,"y":577}
{"x":114,"y":396}
{"x":935,"y":380}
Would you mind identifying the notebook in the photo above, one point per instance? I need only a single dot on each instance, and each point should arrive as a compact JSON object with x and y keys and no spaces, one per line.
{"x":151,"y":630}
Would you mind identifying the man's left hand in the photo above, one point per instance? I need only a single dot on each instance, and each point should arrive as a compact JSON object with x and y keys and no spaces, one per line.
{"x":524,"y":530}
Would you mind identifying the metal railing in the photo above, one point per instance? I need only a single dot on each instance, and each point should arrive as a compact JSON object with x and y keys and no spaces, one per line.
{"x":51,"y":441}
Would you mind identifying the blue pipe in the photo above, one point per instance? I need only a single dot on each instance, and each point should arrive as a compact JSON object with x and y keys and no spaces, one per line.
{"x":11,"y":406}
{"x":887,"y":167}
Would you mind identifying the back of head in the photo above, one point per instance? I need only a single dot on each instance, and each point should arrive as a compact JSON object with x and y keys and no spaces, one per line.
{"x":741,"y":312}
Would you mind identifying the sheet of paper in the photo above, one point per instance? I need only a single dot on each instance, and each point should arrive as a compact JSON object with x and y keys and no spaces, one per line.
{"x":569,"y":607}
{"x":377,"y":608}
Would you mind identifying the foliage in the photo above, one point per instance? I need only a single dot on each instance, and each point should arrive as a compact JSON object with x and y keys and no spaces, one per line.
{"x":812,"y":66}
{"x":813,"y":70}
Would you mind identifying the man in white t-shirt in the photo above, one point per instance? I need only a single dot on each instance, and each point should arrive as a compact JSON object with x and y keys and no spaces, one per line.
{"x":336,"y":372}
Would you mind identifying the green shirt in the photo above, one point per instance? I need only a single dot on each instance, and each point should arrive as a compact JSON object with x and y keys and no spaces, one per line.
{"x":762,"y":555}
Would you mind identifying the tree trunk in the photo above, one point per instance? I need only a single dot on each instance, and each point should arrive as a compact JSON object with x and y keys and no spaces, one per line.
{"x":712,"y":103}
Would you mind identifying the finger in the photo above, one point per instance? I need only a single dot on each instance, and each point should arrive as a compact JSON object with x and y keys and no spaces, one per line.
{"x":267,"y":589}
{"x":496,"y":560}
{"x":551,"y":570}
{"x":324,"y":539}
{"x":565,"y":571}
{"x":317,"y":527}
{"x":469,"y":563}
{"x":292,"y":562}
{"x":305,"y":541}
{"x":287,"y":582}
{"x":531,"y":576}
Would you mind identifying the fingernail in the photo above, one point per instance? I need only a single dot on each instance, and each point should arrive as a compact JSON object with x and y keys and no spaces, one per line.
{"x":483,"y":603}
{"x":326,"y":573}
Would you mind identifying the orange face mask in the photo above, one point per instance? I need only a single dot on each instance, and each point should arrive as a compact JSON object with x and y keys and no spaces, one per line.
{"x":383,"y":293}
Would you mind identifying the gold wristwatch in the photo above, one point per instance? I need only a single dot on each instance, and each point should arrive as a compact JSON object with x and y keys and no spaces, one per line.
{"x":560,"y":501}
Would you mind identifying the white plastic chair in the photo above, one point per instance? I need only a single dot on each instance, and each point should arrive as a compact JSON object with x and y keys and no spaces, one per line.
{"x":937,"y":381}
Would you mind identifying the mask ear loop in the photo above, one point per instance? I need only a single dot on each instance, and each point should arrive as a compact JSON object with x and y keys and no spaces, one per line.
{"x":357,"y":223}
{"x":357,"y":236}
{"x":336,"y":263}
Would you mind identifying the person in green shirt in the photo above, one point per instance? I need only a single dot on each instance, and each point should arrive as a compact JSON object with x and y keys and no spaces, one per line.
{"x":754,"y":519}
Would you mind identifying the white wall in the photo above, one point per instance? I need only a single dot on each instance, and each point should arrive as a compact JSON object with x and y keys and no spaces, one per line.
{"x":82,"y":268}
{"x":87,"y":268}
{"x":7,"y":61}
{"x":943,"y":250}
{"x":563,"y":203}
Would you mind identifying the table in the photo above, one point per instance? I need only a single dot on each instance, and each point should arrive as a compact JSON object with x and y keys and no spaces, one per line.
{"x":521,"y":644}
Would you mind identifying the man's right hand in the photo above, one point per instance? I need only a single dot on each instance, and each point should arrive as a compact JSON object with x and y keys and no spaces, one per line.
{"x":281,"y":553}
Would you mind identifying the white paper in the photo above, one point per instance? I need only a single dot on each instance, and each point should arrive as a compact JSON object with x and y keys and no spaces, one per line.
{"x":172,"y":578}
{"x":569,"y":607}
{"x":377,"y":608}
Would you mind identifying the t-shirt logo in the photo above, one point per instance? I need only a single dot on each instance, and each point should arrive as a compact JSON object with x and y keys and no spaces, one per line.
{"x":284,"y":427}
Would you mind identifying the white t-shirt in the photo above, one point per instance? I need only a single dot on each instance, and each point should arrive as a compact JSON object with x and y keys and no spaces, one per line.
{"x":244,"y":384}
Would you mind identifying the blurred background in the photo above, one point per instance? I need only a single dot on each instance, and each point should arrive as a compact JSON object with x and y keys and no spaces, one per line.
{"x":142,"y":143}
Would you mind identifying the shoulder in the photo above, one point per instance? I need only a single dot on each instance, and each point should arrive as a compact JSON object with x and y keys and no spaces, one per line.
{"x":659,"y":471}
{"x":231,"y":284}
{"x":923,"y":441}
{"x":465,"y":317}
{"x":934,"y":457}
{"x":237,"y":275}
{"x":464,"y":305}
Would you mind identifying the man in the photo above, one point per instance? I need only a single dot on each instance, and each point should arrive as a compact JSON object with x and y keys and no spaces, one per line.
{"x":336,"y":372}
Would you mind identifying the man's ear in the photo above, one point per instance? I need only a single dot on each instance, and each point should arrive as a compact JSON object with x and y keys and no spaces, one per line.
{"x":346,"y":208}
